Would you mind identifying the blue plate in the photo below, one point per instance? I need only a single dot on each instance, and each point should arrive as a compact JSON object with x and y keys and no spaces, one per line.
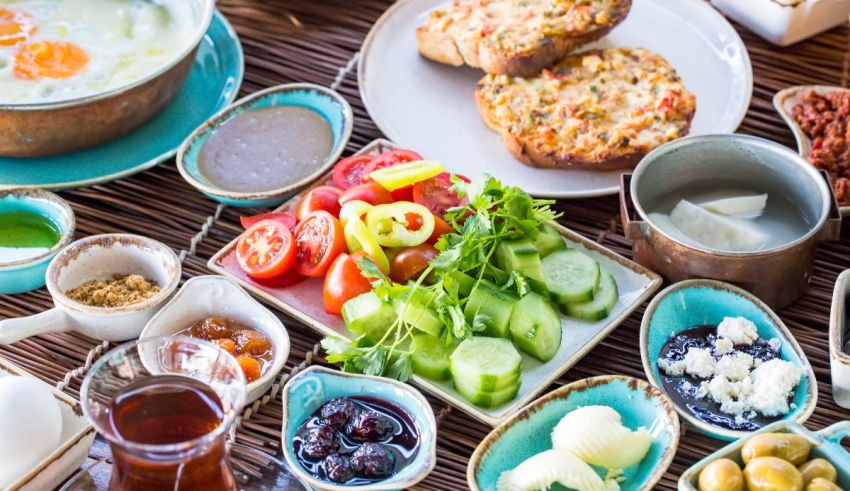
{"x":212,"y":84}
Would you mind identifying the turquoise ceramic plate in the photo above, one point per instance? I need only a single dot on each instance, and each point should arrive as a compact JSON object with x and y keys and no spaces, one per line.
{"x":529,"y":432}
{"x":706,"y":302}
{"x":212,"y":84}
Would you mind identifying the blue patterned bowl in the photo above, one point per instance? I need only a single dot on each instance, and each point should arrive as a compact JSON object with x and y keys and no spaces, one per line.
{"x":694,"y":303}
{"x":308,"y":390}
{"x":529,"y":431}
{"x":26,"y":275}
{"x":326,"y":102}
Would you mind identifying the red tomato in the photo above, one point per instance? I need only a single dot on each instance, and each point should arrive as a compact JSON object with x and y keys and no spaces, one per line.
{"x":403,"y":194}
{"x":319,"y":198}
{"x":410,"y":262}
{"x":343,"y":282}
{"x":266,"y":250}
{"x":440,"y":228}
{"x":350,"y":171}
{"x":372,"y":193}
{"x":391,"y":158}
{"x":435,"y":194}
{"x":318,"y":241}
{"x":287,"y":219}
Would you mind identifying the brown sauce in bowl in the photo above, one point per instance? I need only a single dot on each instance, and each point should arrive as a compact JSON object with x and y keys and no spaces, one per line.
{"x":265,"y":149}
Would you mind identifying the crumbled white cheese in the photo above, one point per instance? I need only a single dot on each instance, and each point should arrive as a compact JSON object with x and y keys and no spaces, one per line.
{"x":697,"y":362}
{"x":774,"y":343}
{"x":687,"y":386}
{"x":773,"y":383}
{"x":739,"y":330}
{"x":723,"y":346}
{"x":735,"y":366}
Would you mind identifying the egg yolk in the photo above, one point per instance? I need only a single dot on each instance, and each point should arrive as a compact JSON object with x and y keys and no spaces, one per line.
{"x":49,"y":59}
{"x":15,"y":27}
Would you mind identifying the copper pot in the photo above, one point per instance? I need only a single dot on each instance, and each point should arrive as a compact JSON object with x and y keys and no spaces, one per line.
{"x":33,"y":130}
{"x":778,"y":275}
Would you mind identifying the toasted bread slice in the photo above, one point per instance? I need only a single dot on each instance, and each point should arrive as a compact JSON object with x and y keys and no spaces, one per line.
{"x":602,"y":109}
{"x":515,"y":37}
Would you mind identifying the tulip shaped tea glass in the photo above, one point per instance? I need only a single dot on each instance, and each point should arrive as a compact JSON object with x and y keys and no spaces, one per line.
{"x":165,"y":405}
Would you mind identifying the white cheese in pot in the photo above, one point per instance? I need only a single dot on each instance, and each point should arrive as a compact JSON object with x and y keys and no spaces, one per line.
{"x":739,"y":330}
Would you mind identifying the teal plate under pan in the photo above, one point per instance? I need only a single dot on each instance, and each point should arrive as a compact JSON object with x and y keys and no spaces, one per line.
{"x":212,"y":84}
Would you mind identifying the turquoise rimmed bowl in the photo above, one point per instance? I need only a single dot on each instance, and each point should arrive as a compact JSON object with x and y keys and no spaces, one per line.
{"x":695,"y":303}
{"x":529,"y":431}
{"x":28,"y":274}
{"x":326,"y":102}
{"x":308,"y":390}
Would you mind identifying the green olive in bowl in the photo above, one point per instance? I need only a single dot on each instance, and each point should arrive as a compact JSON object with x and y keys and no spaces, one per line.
{"x":721,"y":475}
{"x":771,"y":474}
{"x":786,"y":446}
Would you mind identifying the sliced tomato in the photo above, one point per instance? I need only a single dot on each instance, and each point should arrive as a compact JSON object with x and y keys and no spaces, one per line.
{"x":409,"y":262}
{"x":343,"y":282}
{"x":318,"y":241}
{"x":266,"y":250}
{"x":319,"y":198}
{"x":441,"y":227}
{"x":287,"y":219}
{"x":436,"y":195}
{"x":350,"y":171}
{"x":372,"y":193}
{"x":391,"y":158}
{"x":403,"y":194}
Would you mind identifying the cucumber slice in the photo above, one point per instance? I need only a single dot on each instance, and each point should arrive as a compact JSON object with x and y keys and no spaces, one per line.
{"x":431,"y":357}
{"x":520,"y":255}
{"x":488,"y":399}
{"x":485,"y":364}
{"x":536,"y":327}
{"x":600,"y":307}
{"x":367,"y":314}
{"x":571,"y":276}
{"x":495,"y":305}
{"x":420,"y":317}
{"x":465,"y":283}
{"x":548,"y":241}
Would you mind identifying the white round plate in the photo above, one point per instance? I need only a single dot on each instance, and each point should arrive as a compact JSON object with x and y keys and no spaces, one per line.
{"x":430,"y":107}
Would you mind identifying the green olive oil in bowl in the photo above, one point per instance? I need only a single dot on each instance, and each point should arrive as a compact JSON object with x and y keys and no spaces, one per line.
{"x":26,"y":235}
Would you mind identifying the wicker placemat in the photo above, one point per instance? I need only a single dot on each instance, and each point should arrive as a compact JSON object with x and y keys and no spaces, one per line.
{"x":296,"y":41}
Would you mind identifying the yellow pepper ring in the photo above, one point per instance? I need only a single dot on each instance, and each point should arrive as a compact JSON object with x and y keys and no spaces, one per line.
{"x":359,"y":238}
{"x":400,"y":224}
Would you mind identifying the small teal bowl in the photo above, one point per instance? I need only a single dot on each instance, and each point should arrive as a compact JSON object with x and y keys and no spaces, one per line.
{"x":28,"y":274}
{"x":326,"y":102}
{"x":529,"y":432}
{"x":308,"y":390}
{"x":826,"y":444}
{"x":694,"y":303}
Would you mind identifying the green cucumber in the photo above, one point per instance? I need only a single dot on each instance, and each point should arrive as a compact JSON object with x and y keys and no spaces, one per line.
{"x":522,"y":256}
{"x":496,"y":307}
{"x":419,"y":317}
{"x":465,"y":283}
{"x":485,"y":364}
{"x":536,"y":327}
{"x":431,"y":357}
{"x":571,"y":276}
{"x":600,"y":307}
{"x":488,"y":399}
{"x":367,"y":314}
{"x":548,"y":241}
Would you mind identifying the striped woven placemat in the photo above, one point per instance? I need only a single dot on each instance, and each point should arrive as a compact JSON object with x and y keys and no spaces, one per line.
{"x":312,"y":41}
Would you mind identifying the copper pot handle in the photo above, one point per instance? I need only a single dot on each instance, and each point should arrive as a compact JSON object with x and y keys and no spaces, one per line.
{"x":831,"y":230}
{"x":633,"y":229}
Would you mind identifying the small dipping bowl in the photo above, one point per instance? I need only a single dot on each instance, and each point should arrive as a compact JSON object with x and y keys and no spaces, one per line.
{"x":28,"y":274}
{"x":98,"y":257}
{"x":216,"y":296}
{"x":777,"y":275}
{"x":838,"y":337}
{"x":696,"y":303}
{"x":327,"y":103}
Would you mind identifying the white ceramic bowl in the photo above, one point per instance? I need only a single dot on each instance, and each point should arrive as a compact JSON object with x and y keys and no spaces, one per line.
{"x":216,"y":296}
{"x":839,"y":358}
{"x":784,"y":22}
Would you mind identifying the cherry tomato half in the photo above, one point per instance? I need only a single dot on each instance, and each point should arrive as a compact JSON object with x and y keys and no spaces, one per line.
{"x":319,"y":198}
{"x":350,"y":171}
{"x":409,"y":262}
{"x":287,"y":219}
{"x":372,"y":193}
{"x":391,"y":158}
{"x":266,"y":250}
{"x":343,"y":282}
{"x":441,"y":227}
{"x":318,"y":241}
{"x":435,"y":194}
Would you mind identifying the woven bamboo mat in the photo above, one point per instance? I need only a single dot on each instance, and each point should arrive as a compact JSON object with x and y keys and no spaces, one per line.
{"x":295,"y":41}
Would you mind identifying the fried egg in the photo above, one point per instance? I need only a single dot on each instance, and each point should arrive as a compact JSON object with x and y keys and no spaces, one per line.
{"x":63,"y":49}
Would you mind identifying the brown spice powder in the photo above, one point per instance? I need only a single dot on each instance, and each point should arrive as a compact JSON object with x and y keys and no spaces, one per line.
{"x":121,"y":290}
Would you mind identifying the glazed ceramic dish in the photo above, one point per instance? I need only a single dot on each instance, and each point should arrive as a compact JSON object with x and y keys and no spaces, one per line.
{"x":839,"y":358}
{"x":430,"y":107}
{"x":784,"y":102}
{"x":333,"y":108}
{"x":304,"y":302}
{"x":26,"y":275}
{"x":215,"y":296}
{"x":784,"y":22}
{"x":705,"y":302}
{"x":311,"y":388}
{"x":827,"y":445}
{"x":75,"y":441}
{"x":212,"y":84}
{"x":529,"y":431}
